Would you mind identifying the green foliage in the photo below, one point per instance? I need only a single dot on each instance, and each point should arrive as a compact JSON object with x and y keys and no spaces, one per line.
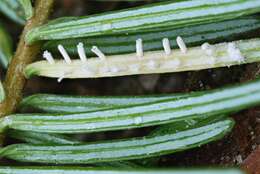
{"x":2,"y":92}
{"x":186,"y":120}
{"x":193,"y":35}
{"x":75,"y":104}
{"x":118,"y":150}
{"x":14,"y":10}
{"x":6,"y":48}
{"x":41,"y":138}
{"x":102,"y":170}
{"x":148,"y":18}
{"x":195,"y":105}
{"x":27,"y":8}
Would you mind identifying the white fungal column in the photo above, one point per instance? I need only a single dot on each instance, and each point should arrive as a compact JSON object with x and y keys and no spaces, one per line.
{"x":166,"y":46}
{"x":139,"y":48}
{"x":64,"y":54}
{"x":181,"y":44}
{"x":81,"y":52}
{"x":98,"y":52}
{"x":61,"y":78}
{"x":48,"y":56}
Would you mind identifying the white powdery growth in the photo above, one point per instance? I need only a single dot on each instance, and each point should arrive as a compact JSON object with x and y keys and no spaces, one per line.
{"x":134,"y":67}
{"x":209,"y":50}
{"x":64,"y":54}
{"x":234,"y":53}
{"x":7,"y":121}
{"x":81,"y":52}
{"x":107,"y":26}
{"x":47,"y":55}
{"x":151,"y":64}
{"x":166,"y":46}
{"x":210,"y":61}
{"x":105,"y":69}
{"x":173,"y":63}
{"x":98,"y":52}
{"x":138,"y":120}
{"x":86,"y":69}
{"x":181,"y":44}
{"x":114,"y":69}
{"x":205,"y":46}
{"x":139,"y":48}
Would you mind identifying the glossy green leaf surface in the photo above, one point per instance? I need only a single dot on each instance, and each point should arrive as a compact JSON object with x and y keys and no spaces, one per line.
{"x":118,"y":150}
{"x":91,"y":170}
{"x":28,"y":9}
{"x":6,"y":47}
{"x":52,"y":103}
{"x":58,"y":139}
{"x":151,"y":17}
{"x":193,"y":35}
{"x":41,"y":138}
{"x":2,"y":92}
{"x":212,"y":102}
{"x":13,"y":10}
{"x":186,"y":125}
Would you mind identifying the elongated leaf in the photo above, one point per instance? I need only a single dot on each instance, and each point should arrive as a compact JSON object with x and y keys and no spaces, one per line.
{"x":41,"y":138}
{"x":193,"y":35}
{"x":49,"y":138}
{"x":75,"y":104}
{"x":201,"y":105}
{"x":28,"y":9}
{"x":118,"y":149}
{"x":151,"y":17}
{"x":91,"y":170}
{"x":186,"y":125}
{"x":57,"y":139}
{"x":196,"y":58}
{"x":14,"y":10}
{"x":2,"y":92}
{"x":6,"y":48}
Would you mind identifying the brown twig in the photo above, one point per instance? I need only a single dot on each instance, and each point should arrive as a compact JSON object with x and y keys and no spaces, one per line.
{"x":25,"y":54}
